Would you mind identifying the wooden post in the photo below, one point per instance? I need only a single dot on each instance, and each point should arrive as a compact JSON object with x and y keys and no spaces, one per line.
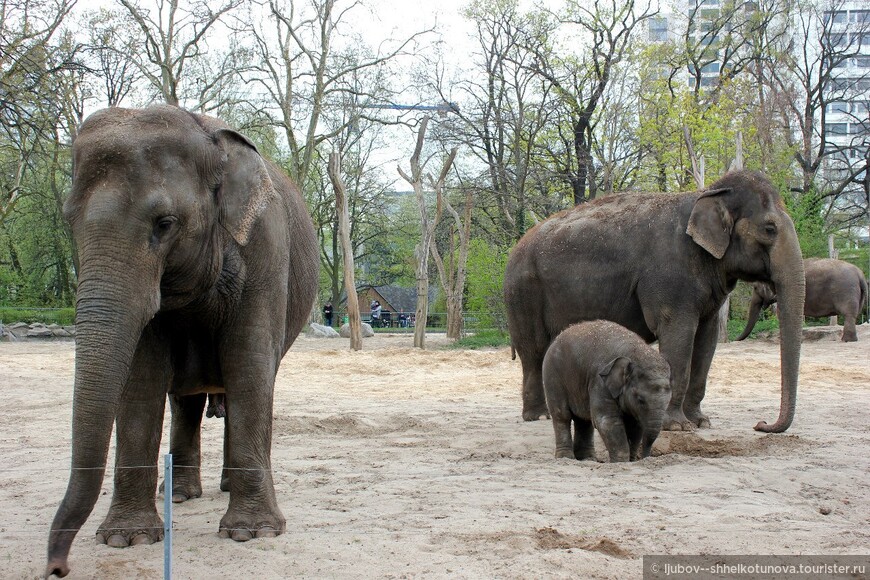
{"x":353,"y":317}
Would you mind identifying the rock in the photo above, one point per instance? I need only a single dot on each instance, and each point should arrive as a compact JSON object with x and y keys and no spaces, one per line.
{"x":39,"y":331}
{"x":59,"y":332}
{"x":367,"y":331}
{"x":822,"y":332}
{"x":320,"y":331}
{"x":19,"y":330}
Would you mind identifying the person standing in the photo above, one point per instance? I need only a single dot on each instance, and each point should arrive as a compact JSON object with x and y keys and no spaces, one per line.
{"x":376,"y":313}
{"x":327,"y":313}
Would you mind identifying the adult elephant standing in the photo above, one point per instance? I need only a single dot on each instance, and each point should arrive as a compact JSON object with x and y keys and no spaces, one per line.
{"x":660,"y":265}
{"x":834,"y":287}
{"x":198,"y":269}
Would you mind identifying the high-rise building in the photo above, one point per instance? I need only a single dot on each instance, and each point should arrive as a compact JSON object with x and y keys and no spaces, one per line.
{"x":847,"y":120}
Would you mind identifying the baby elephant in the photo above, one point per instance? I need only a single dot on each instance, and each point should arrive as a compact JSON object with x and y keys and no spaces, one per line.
{"x":603,"y":375}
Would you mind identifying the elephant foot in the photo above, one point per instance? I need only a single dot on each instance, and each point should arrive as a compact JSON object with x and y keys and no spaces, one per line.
{"x":677,"y":421}
{"x":536,"y":413}
{"x":133,"y":531}
{"x":850,"y":337}
{"x":565,"y":454}
{"x":239,"y":530}
{"x":697,"y":418}
{"x":183,"y":490}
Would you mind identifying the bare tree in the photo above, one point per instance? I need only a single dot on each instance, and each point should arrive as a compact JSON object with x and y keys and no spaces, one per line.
{"x":174,"y":36}
{"x":808,"y":84}
{"x":353,"y":314}
{"x":452,"y":274}
{"x":504,"y":112}
{"x":427,"y":229}
{"x":30,"y":60}
{"x":305,"y":78}
{"x":579,"y":82}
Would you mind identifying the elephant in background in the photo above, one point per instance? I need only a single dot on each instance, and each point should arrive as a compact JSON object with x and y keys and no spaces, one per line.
{"x":834,"y":287}
{"x":198,"y":269}
{"x":660,"y":265}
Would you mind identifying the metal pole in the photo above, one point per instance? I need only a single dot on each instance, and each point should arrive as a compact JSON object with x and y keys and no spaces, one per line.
{"x":167,"y":519}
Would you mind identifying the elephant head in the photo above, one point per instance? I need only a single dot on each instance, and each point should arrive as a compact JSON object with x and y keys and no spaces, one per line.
{"x":763,"y":296}
{"x":643,"y":393}
{"x":742,"y":221}
{"x":158,"y":195}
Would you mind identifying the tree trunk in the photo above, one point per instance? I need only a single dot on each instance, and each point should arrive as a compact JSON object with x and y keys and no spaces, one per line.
{"x":353,"y":317}
{"x":421,"y":253}
{"x":723,"y":319}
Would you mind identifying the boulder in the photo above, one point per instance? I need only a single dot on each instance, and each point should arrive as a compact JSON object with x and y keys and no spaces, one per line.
{"x":39,"y":331}
{"x":320,"y":331}
{"x":367,"y":331}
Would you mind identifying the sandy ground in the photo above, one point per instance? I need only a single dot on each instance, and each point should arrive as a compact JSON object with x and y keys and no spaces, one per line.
{"x":399,"y":463}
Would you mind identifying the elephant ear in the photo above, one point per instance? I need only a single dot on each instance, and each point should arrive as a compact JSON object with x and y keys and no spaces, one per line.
{"x":616,"y":374}
{"x":710,"y":223}
{"x":246,"y":188}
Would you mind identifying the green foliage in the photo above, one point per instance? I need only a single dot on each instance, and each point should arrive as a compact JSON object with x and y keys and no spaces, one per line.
{"x":493,"y":338}
{"x":61,"y":316}
{"x":806,"y":212}
{"x":736,"y":326}
{"x":485,"y":279}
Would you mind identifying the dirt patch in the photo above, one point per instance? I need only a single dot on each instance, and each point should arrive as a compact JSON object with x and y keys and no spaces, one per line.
{"x":698,"y":445}
{"x":552,"y":539}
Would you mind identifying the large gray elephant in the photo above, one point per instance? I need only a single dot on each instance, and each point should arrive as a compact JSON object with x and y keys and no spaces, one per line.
{"x":661,"y":265}
{"x":834,"y":287}
{"x":198,"y":269}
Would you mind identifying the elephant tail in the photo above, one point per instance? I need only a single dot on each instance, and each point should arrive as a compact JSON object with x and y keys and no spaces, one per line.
{"x":513,"y":352}
{"x":862,"y":283}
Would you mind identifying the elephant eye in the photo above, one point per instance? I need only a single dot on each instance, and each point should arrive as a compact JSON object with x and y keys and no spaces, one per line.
{"x":770,"y":229}
{"x":163,"y":225}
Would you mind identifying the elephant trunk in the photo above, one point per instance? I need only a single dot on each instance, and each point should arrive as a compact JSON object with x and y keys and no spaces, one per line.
{"x":754,"y":311}
{"x":108,"y":328}
{"x":787,"y":274}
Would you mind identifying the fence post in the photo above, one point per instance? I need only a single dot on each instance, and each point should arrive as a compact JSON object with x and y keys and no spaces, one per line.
{"x":167,"y":518}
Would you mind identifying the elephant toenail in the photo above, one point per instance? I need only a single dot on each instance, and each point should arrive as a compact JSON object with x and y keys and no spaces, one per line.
{"x":242,"y":535}
{"x":117,"y":541}
{"x":267,"y":532}
{"x":141,"y":540}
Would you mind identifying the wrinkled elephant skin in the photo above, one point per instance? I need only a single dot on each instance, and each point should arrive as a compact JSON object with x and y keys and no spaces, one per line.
{"x":834,"y":288}
{"x":661,"y":265}
{"x":600,"y":374}
{"x":198,"y":268}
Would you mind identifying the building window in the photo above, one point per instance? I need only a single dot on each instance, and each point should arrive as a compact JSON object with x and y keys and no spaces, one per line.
{"x":839,"y":17}
{"x":861,"y":16}
{"x":862,"y":62}
{"x":836,"y":128}
{"x":837,"y":107}
{"x":658,"y":29}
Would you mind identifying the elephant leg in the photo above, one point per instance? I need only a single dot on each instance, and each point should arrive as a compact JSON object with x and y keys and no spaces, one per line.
{"x":225,"y":473}
{"x":612,"y":430}
{"x":185,"y":445}
{"x":562,"y":431}
{"x":253,"y":509}
{"x":534,"y":401}
{"x":702,"y":357}
{"x":634,"y":434}
{"x":584,"y":439}
{"x":133,"y":517}
{"x":675,"y":345}
{"x":850,"y":331}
